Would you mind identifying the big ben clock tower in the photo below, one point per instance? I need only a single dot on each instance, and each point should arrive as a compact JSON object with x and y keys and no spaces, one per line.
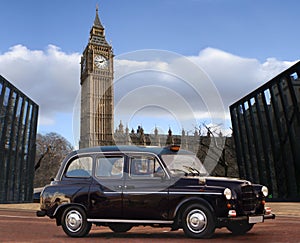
{"x":96,"y":125}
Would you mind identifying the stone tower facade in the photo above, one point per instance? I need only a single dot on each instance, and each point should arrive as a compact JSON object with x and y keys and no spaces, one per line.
{"x":97,"y":97}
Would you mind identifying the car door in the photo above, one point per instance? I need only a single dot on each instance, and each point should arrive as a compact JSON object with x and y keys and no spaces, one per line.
{"x":76,"y":180}
{"x":106,"y":191}
{"x":145,"y":193}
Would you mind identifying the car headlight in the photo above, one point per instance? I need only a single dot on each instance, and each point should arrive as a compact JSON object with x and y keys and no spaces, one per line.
{"x":265,"y":191}
{"x":227,"y":193}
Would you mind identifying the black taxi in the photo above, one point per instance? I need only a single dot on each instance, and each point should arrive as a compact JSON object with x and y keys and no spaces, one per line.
{"x":125,"y":186}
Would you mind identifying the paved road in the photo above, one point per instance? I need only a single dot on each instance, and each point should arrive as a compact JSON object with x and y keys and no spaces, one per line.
{"x":23,"y":226}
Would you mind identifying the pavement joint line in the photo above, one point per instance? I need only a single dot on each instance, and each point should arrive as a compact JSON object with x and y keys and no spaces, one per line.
{"x":15,"y":216}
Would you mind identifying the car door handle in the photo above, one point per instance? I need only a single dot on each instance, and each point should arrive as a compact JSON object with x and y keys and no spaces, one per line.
{"x":119,"y":187}
{"x":129,"y":187}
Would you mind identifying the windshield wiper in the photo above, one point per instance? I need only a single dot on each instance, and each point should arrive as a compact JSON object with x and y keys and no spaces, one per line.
{"x":180,"y":170}
{"x":193,"y":171}
{"x":189,"y":171}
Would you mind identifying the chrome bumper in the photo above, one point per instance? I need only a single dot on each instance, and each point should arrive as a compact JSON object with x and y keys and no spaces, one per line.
{"x":224,"y":221}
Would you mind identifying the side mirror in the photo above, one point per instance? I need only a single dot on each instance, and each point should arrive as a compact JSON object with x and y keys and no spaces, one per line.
{"x":160,"y":174}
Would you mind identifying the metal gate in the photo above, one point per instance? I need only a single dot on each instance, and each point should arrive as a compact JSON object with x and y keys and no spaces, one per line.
{"x":18,"y":125}
{"x":266,"y":130}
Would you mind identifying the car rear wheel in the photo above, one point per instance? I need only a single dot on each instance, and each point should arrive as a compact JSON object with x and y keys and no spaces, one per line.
{"x":74,"y":222}
{"x":198,"y":221}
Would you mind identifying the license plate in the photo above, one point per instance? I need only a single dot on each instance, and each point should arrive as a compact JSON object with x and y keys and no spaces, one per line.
{"x":255,"y":219}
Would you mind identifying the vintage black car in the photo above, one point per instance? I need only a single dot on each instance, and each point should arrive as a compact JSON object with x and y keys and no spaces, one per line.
{"x":126,"y":186}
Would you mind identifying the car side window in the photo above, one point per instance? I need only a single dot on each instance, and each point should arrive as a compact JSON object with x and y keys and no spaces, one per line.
{"x":144,"y":167}
{"x":80,"y":167}
{"x":109,"y":167}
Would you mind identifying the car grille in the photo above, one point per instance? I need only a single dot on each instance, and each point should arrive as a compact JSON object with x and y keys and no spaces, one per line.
{"x":248,"y":199}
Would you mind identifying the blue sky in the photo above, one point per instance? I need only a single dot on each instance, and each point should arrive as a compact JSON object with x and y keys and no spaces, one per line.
{"x":239,"y":44}
{"x":250,"y":28}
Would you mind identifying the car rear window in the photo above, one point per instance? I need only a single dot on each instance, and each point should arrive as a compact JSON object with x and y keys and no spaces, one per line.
{"x":80,"y":167}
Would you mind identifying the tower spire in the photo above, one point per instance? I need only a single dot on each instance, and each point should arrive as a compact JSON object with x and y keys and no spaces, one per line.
{"x":97,"y":22}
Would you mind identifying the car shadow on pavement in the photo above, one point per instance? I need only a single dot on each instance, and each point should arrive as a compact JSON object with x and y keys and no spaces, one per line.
{"x":165,"y":235}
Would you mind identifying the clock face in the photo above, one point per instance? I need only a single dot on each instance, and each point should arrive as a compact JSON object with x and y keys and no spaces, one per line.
{"x":100,"y":61}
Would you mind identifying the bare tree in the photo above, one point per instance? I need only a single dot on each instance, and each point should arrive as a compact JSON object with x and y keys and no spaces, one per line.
{"x":221,"y":151}
{"x":50,"y":151}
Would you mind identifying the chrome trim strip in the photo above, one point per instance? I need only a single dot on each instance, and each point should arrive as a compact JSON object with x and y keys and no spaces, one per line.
{"x":132,"y":221}
{"x":145,"y":193}
{"x":197,"y":193}
{"x":164,"y":193}
{"x":116,"y":192}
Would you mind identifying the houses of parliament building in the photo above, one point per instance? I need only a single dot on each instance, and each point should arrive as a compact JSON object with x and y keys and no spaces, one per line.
{"x":97,"y":101}
{"x":97,"y":106}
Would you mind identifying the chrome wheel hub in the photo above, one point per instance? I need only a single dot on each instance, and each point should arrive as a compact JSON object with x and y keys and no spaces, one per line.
{"x":73,"y":221}
{"x":196,"y":221}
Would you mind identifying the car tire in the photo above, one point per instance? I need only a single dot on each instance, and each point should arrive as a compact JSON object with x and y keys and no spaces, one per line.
{"x":120,"y":228}
{"x":239,"y":228}
{"x":74,"y":222}
{"x":198,"y":221}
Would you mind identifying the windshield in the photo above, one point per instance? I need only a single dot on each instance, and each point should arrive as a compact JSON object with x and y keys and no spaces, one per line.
{"x":184,"y":164}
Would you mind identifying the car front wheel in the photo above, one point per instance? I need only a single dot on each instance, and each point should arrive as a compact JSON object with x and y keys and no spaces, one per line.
{"x":74,"y":222}
{"x":198,"y":221}
{"x":239,"y":228}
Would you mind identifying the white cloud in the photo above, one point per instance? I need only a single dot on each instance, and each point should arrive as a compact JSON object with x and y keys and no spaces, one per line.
{"x":229,"y":78}
{"x":174,"y":83}
{"x":236,"y":76}
{"x":50,"y":77}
